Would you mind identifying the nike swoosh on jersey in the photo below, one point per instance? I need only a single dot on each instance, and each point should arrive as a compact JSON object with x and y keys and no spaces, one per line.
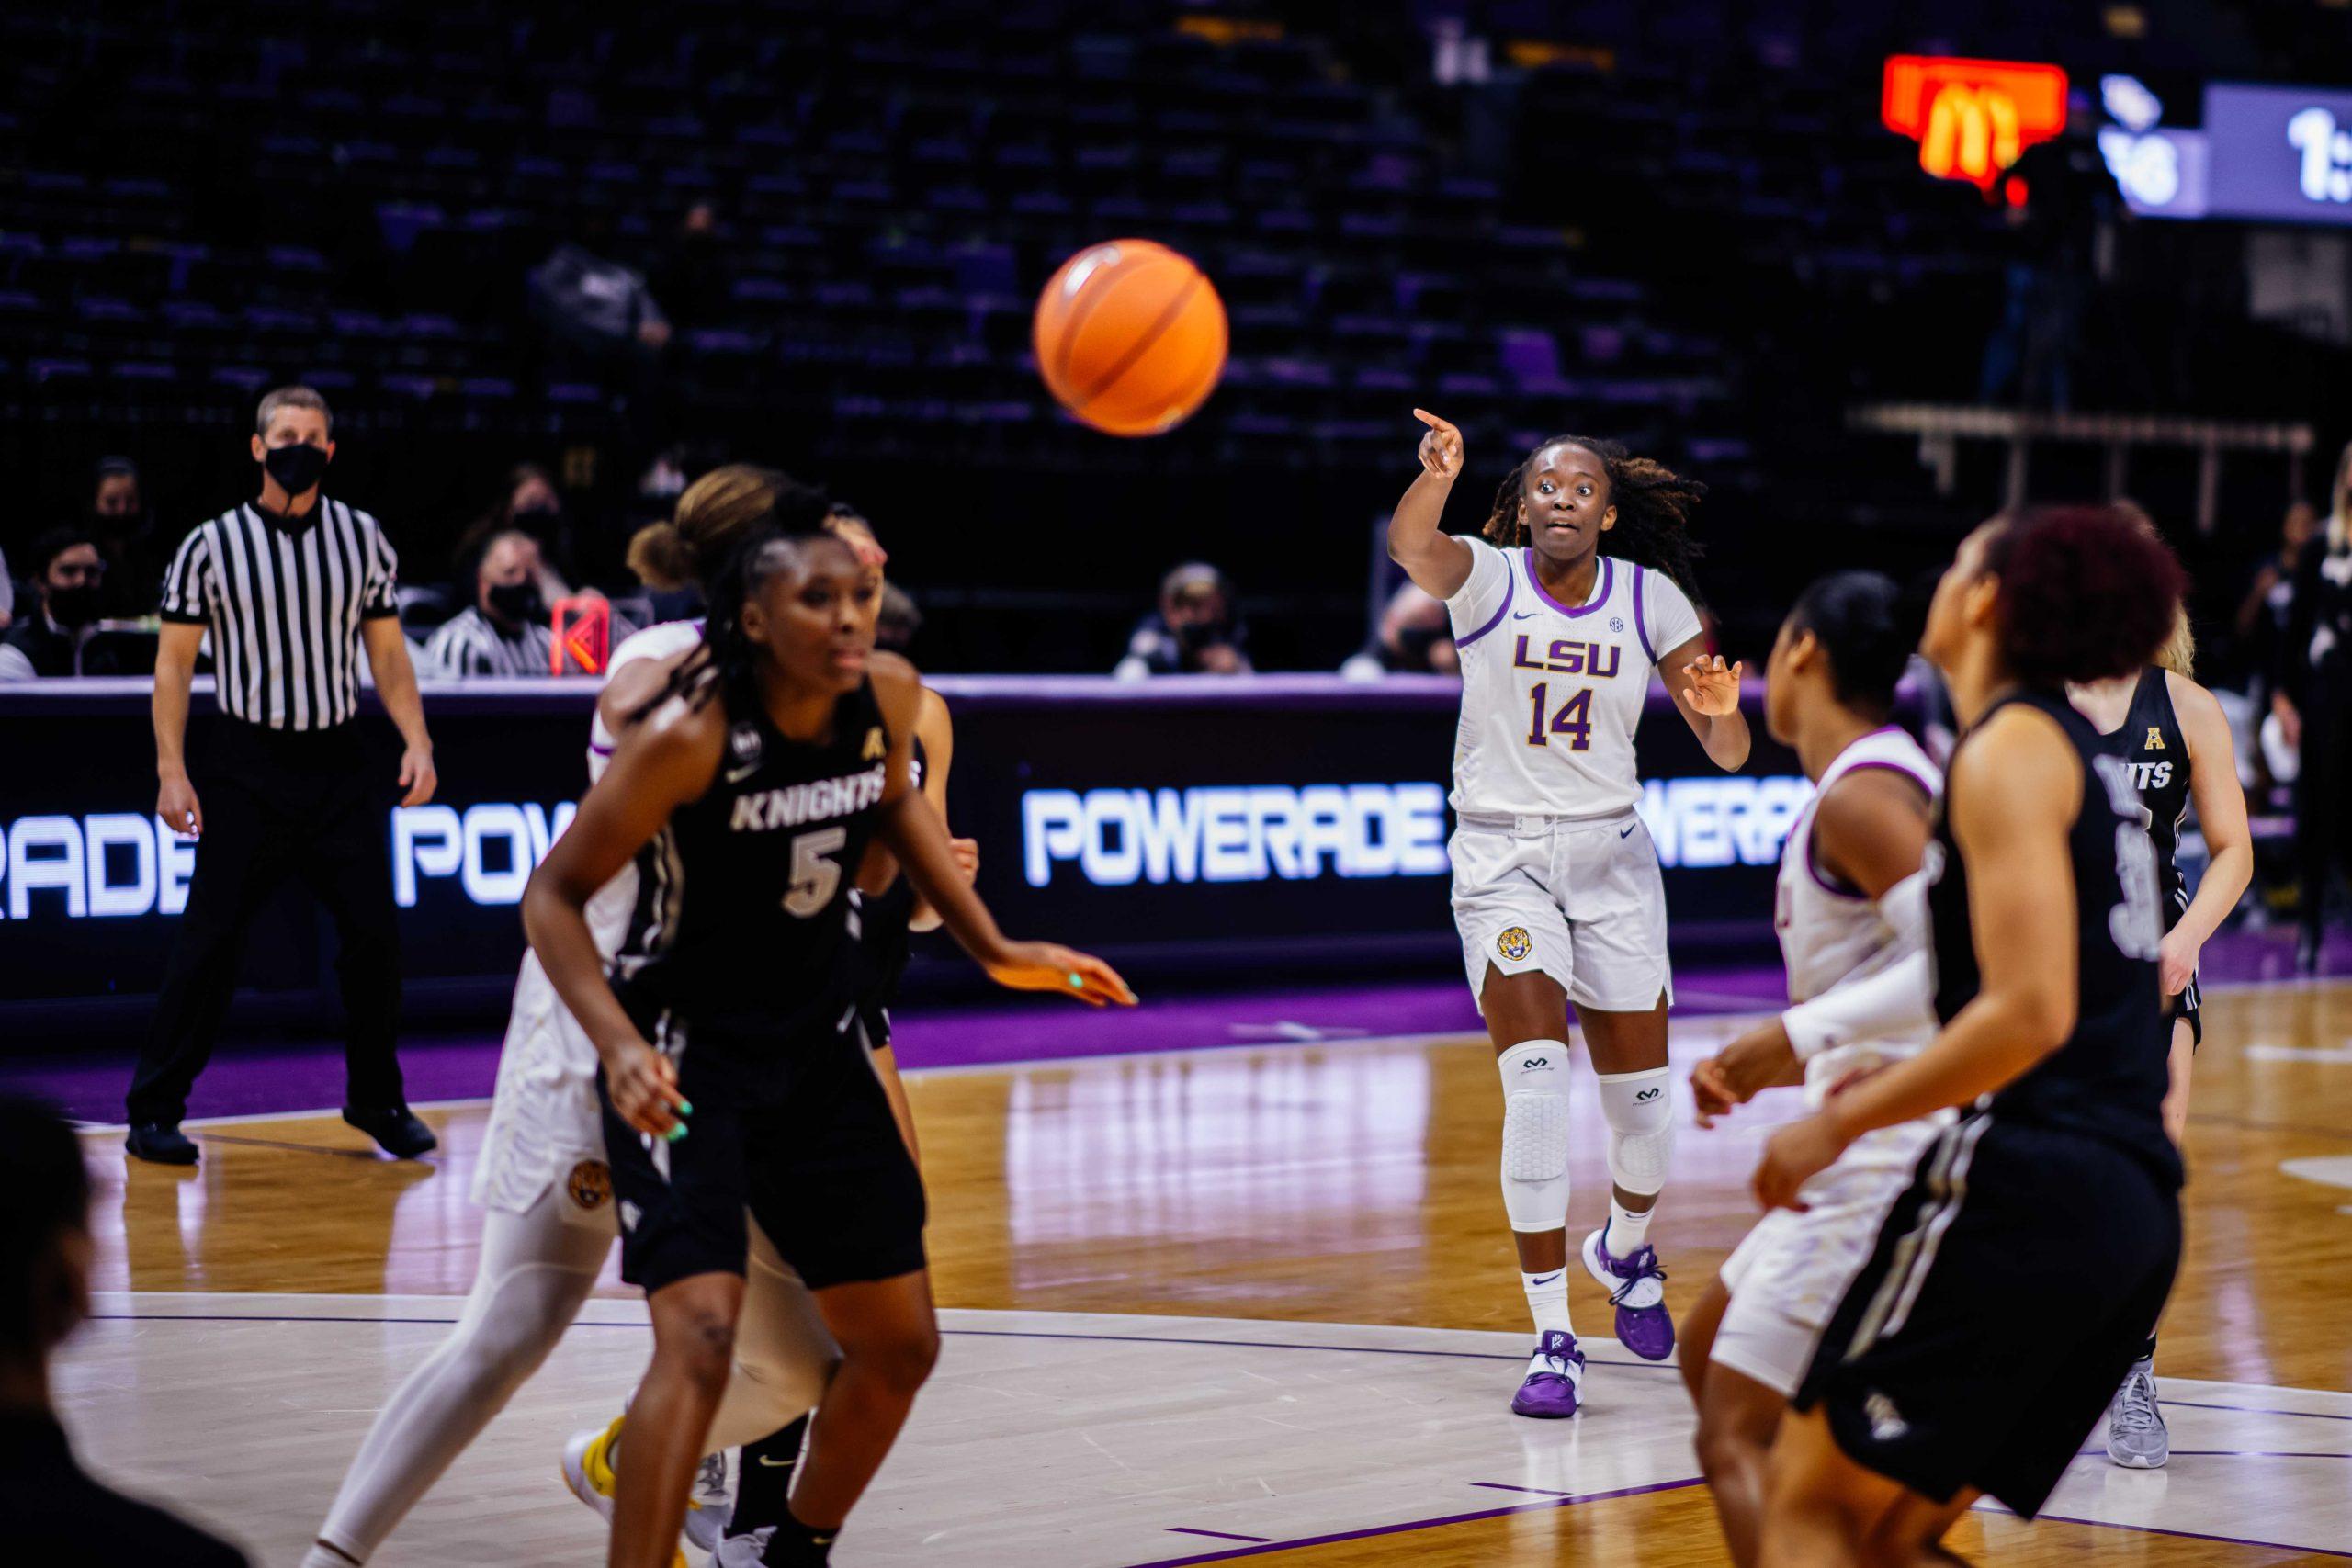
{"x":1524,"y":615}
{"x":778,"y":1464}
{"x":737,"y":776}
{"x":1628,"y":831}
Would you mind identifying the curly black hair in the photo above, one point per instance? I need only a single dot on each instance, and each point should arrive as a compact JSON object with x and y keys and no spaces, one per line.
{"x":1654,"y":506}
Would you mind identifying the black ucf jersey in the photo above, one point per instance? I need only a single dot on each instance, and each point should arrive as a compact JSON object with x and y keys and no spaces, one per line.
{"x":883,"y":932}
{"x":2109,"y":1079}
{"x":742,"y":921}
{"x":2154,"y":755}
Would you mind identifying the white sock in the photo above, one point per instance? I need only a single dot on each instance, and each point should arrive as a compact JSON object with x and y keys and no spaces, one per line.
{"x":320,"y":1557}
{"x":1547,"y":1300}
{"x":1627,"y":1231}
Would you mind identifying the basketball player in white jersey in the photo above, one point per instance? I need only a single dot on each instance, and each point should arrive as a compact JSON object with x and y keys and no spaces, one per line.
{"x":1851,"y":913}
{"x":1556,"y":891}
{"x":542,"y":1179}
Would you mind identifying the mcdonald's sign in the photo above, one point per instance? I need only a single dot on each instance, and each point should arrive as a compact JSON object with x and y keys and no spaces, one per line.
{"x":1972,"y":118}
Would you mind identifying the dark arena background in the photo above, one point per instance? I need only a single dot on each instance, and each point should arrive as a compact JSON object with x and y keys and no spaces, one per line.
{"x":1874,"y":273}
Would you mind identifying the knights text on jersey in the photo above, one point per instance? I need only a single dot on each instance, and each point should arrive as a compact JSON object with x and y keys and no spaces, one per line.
{"x":2154,"y":754}
{"x":743,"y":903}
{"x":1551,"y":693}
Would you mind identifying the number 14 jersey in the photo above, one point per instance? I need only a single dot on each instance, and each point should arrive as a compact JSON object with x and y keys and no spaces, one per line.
{"x":742,"y":915}
{"x":1551,"y":693}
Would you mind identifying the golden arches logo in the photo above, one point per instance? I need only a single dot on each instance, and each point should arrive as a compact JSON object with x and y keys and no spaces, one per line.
{"x":1972,"y":118}
{"x":1973,"y":133}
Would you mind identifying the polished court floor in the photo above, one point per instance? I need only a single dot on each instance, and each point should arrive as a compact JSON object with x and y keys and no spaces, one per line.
{"x":1251,"y":1303}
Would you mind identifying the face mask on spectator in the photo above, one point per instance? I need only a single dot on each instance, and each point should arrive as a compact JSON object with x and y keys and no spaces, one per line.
{"x":295,"y":468}
{"x":518,"y":603}
{"x":75,"y":607}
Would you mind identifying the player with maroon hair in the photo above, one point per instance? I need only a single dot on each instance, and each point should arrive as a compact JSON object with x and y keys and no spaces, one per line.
{"x":2058,"y":1182}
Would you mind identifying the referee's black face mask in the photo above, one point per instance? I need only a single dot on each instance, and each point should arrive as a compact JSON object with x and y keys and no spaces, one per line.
{"x":295,"y":468}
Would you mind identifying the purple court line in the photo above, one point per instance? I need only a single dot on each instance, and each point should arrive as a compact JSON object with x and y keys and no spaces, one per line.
{"x":2191,"y":1535}
{"x":1537,"y":1491}
{"x":962,"y":1333}
{"x":2256,"y":1410}
{"x":1410,"y":1525}
{"x":1219,"y":1535}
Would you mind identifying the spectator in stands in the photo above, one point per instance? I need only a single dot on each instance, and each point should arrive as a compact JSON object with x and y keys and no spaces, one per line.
{"x":691,"y":274}
{"x":898,"y":622}
{"x":1195,"y":631}
{"x":2060,"y":197}
{"x":2273,"y":585}
{"x":658,"y":559}
{"x":126,"y":537}
{"x":7,"y":595}
{"x":55,"y":1512}
{"x":1414,"y":638}
{"x":2314,"y":706}
{"x":504,"y":631}
{"x":52,"y":636}
{"x":529,"y":501}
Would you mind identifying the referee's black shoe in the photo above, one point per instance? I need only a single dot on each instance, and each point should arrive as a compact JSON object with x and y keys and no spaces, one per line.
{"x":396,"y":1129}
{"x":162,"y":1142}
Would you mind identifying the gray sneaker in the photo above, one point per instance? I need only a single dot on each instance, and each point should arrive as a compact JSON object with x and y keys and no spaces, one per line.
{"x":2136,"y":1438}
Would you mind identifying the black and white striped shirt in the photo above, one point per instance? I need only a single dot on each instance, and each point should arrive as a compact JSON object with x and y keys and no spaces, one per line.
{"x":468,"y":645}
{"x":284,"y":607}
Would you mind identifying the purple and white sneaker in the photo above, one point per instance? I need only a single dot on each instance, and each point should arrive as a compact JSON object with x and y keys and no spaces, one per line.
{"x":1553,"y":1378}
{"x":1636,"y":1287}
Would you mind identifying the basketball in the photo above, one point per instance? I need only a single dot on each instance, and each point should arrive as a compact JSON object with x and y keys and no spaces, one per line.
{"x":1130,"y":337}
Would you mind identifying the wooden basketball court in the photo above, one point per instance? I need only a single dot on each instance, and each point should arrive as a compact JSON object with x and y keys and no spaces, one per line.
{"x":1247,"y":1305}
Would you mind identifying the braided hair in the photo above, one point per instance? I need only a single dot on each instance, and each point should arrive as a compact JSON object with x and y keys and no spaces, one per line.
{"x":1653,"y":502}
{"x":727,"y":522}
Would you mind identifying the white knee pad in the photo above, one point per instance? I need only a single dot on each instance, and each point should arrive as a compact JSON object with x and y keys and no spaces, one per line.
{"x":1535,"y":1134}
{"x":1639,"y":1108}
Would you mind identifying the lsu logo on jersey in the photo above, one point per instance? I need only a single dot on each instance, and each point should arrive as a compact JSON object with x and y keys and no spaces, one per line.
{"x":1568,"y":657}
{"x":1514,"y":944}
{"x":2156,"y":740}
{"x":590,"y":1185}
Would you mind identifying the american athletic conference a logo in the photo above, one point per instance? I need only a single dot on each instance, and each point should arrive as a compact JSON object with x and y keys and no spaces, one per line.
{"x":1514,"y":944}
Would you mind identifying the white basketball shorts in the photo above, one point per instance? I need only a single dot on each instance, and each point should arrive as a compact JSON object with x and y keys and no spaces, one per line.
{"x":1580,"y":901}
{"x":1787,"y":1276}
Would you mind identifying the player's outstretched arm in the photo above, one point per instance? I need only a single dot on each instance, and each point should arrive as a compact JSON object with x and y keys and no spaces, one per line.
{"x":1436,"y":561}
{"x":1706,"y":694}
{"x":913,"y":828}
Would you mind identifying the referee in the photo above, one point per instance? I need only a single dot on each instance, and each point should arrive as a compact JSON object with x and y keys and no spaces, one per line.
{"x":293,"y":588}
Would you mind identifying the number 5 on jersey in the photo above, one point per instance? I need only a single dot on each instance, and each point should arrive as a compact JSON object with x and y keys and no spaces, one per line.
{"x":1573,"y":719}
{"x":815,"y":874}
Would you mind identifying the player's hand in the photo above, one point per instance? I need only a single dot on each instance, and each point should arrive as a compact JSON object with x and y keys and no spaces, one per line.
{"x":2177,"y":958}
{"x":1794,"y":1156}
{"x":1710,"y":1092}
{"x":643,"y":1084}
{"x":177,"y":803}
{"x":1714,"y":687}
{"x":967,"y":857}
{"x":1440,"y":451}
{"x":417,"y":778}
{"x":1050,"y":967}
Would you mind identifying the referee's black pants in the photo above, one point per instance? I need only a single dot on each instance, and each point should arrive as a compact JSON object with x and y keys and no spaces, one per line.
{"x":280,"y":803}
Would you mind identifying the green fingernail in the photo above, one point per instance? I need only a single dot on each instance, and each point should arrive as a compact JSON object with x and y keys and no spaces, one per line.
{"x":684,"y":1108}
{"x":677,"y":1130}
{"x":1077,"y":981}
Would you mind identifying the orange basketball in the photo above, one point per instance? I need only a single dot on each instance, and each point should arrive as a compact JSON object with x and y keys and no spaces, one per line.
{"x":1130,"y":337}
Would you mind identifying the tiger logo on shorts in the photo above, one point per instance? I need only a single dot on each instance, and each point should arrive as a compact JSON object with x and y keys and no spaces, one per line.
{"x":1514,"y":944}
{"x":590,"y":1183}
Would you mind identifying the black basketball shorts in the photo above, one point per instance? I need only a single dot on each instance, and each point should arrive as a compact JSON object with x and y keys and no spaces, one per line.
{"x":2012,"y":1286}
{"x":811,"y":1153}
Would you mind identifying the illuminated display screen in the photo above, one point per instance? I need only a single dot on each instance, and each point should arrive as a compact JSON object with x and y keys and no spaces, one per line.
{"x":1190,"y":820}
{"x":2279,"y":152}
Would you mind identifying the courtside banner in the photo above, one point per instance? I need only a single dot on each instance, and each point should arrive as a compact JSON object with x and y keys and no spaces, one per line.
{"x":1188,"y":821}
